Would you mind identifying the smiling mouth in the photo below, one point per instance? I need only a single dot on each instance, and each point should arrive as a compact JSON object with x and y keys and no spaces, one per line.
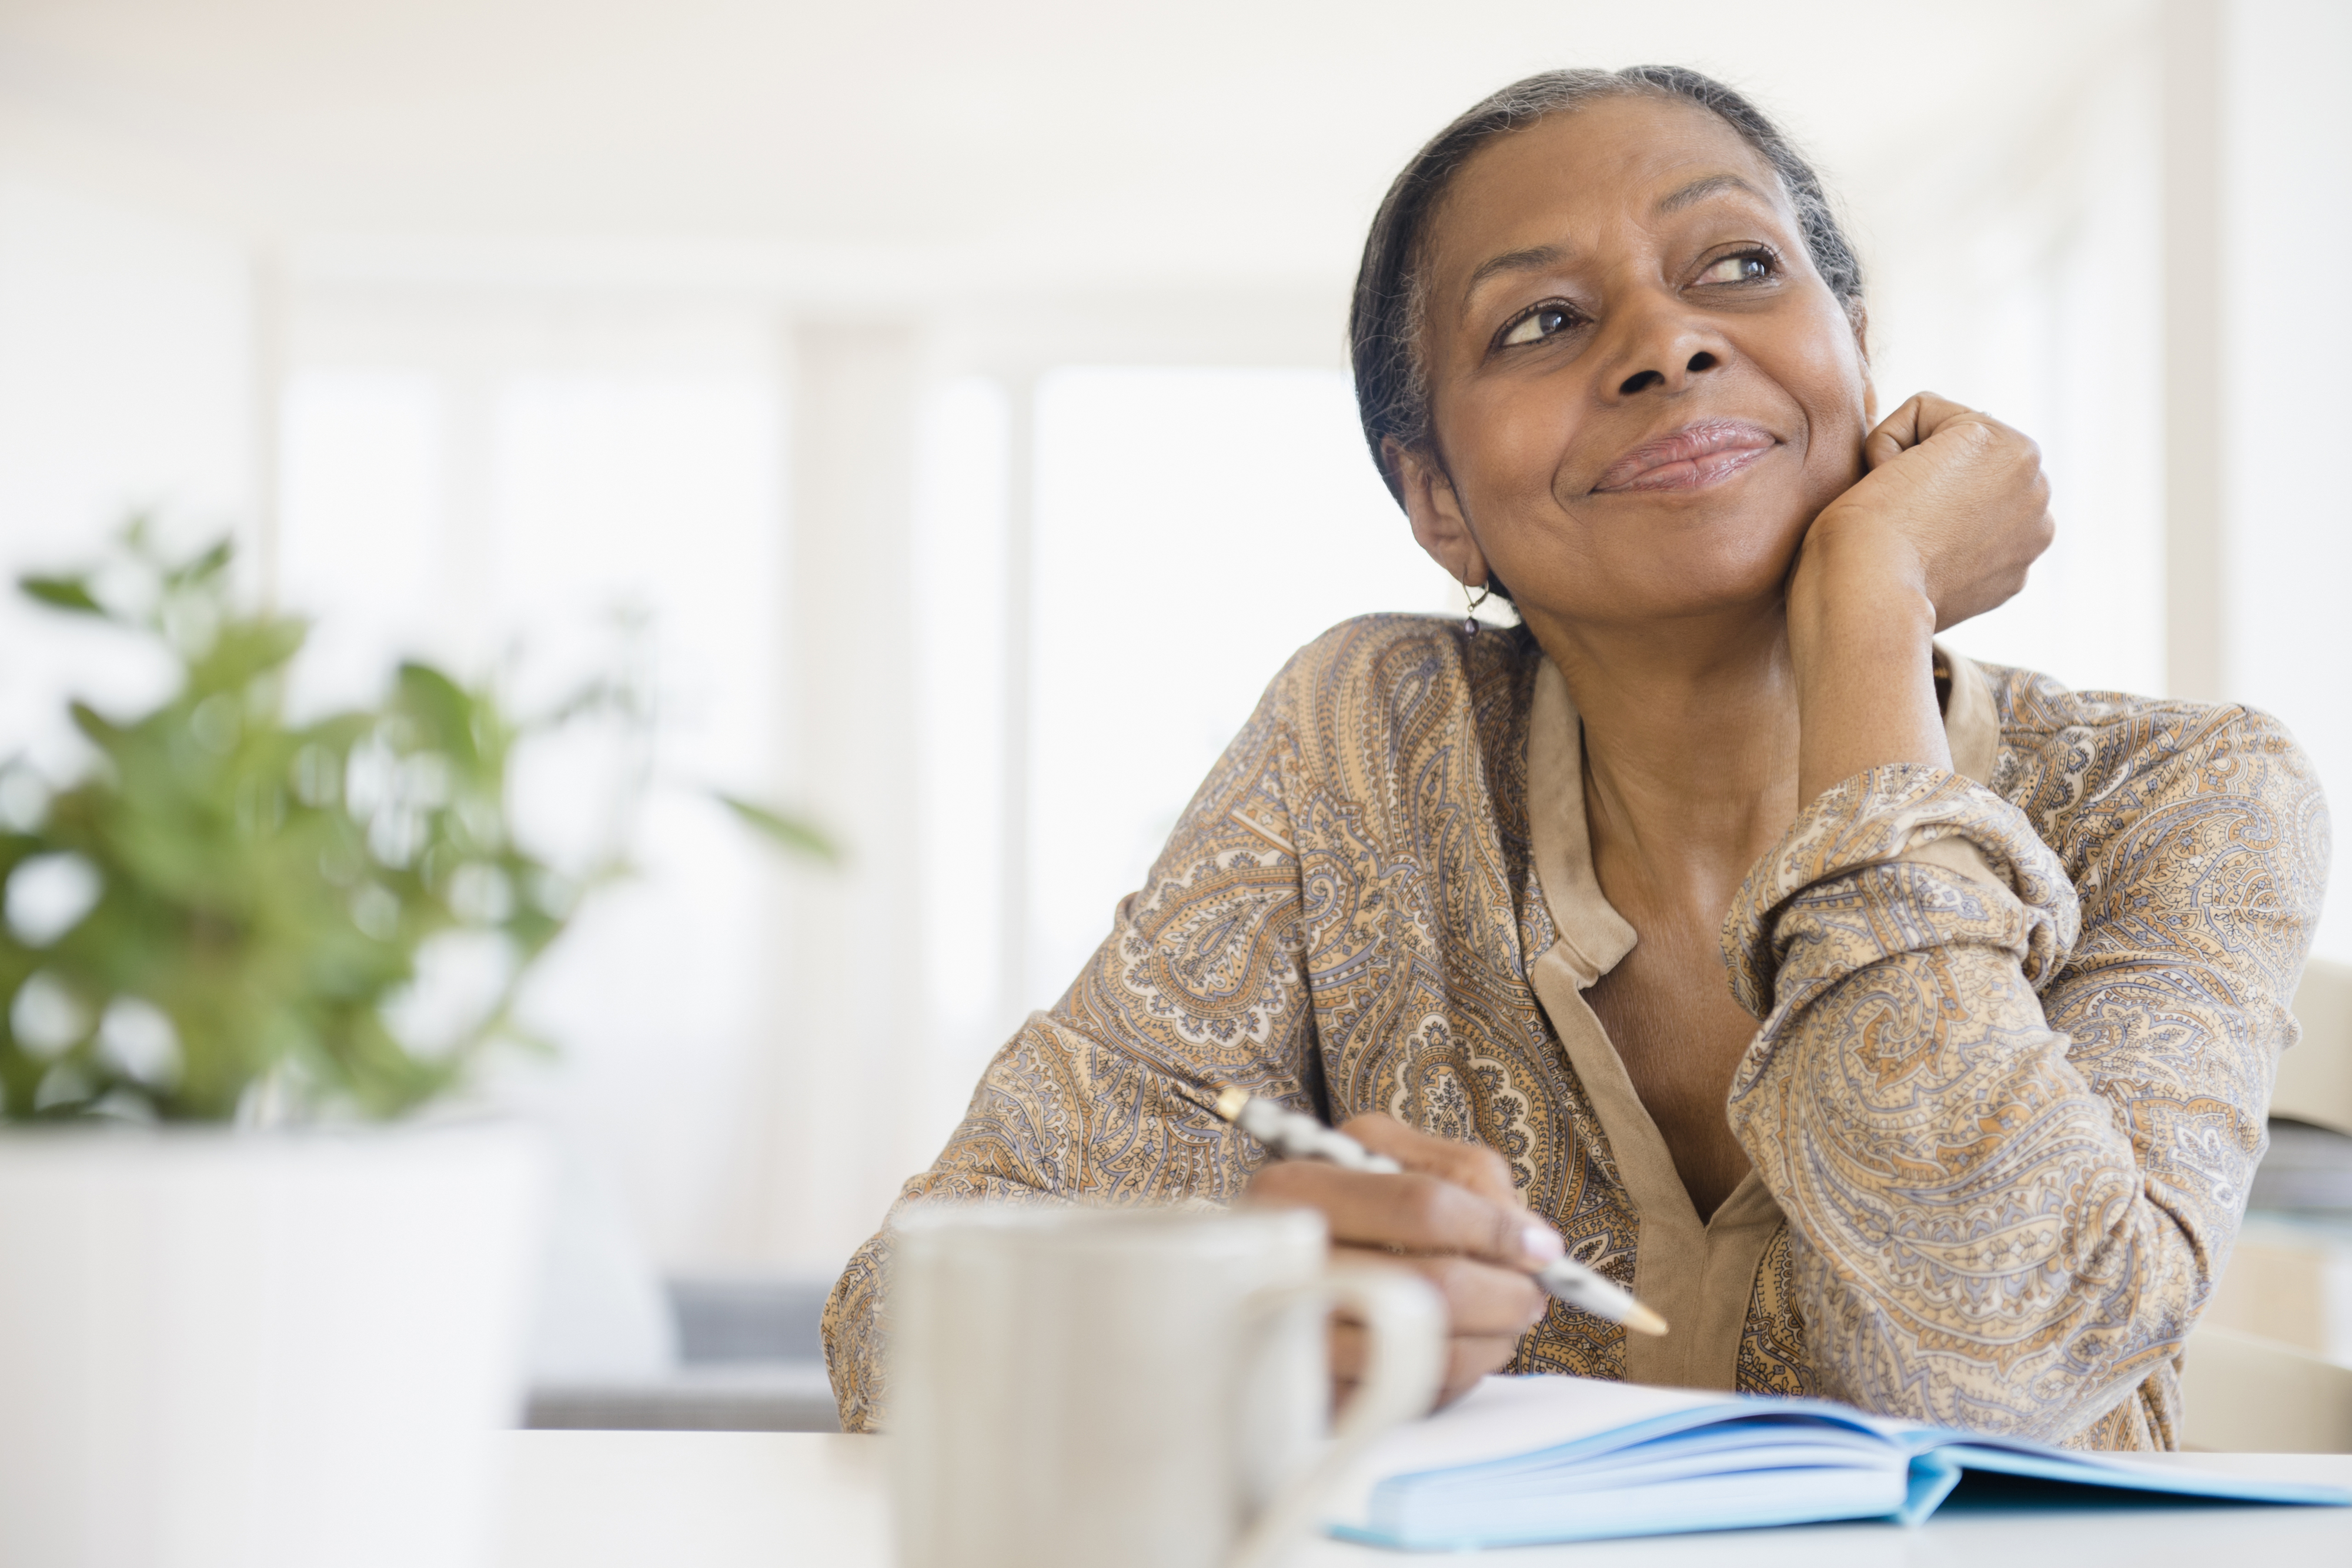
{"x":1691,"y":458}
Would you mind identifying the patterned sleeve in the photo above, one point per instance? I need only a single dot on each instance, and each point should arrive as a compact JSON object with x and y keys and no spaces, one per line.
{"x":2010,"y":1104}
{"x":1200,"y":984}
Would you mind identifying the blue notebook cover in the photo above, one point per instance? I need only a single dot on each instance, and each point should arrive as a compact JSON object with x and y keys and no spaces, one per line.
{"x":1523,"y":1461}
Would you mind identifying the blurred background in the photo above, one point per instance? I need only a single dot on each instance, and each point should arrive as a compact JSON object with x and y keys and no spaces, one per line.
{"x":956,"y":395}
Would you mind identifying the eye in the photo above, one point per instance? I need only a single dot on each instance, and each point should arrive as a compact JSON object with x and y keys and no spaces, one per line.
{"x":1540,"y":323}
{"x":1748,"y":266}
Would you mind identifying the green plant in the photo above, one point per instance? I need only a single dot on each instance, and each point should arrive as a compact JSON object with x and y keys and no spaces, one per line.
{"x":220,"y":917}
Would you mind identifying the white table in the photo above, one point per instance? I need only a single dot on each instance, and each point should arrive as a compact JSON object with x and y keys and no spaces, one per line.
{"x":759,"y":1499}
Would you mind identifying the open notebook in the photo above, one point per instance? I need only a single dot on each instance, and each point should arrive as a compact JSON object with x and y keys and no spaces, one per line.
{"x":1521,"y":1461}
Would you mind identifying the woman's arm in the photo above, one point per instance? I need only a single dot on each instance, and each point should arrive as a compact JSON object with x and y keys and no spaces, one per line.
{"x":1952,"y":512}
{"x":2015,"y":1161}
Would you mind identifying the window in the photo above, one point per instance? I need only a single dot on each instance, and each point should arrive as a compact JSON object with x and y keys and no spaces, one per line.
{"x":503,"y":520}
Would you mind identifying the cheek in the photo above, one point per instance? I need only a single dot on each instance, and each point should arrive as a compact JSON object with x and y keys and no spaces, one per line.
{"x":1505,"y":448}
{"x":1504,"y":445}
{"x":1822,"y":369}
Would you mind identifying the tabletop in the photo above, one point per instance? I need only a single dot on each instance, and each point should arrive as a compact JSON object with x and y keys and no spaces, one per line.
{"x":776,"y":1500}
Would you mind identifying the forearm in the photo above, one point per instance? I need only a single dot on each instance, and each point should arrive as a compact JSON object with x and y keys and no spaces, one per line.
{"x":1859,"y":628}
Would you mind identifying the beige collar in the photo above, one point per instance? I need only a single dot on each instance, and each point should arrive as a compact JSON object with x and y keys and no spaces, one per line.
{"x":1595,"y":935}
{"x":1971,"y":721}
{"x":1699,"y":1275}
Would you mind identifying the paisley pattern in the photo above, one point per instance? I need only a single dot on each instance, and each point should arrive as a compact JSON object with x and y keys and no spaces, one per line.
{"x":2009,"y":1118}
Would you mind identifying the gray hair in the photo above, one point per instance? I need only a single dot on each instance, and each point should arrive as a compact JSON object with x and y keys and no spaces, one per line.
{"x":1384,"y":320}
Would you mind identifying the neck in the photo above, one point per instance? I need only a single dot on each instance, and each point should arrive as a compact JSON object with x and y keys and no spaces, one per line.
{"x":1690,"y":746}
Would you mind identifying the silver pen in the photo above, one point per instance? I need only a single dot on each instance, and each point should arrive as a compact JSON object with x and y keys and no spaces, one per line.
{"x":1298,"y":1137}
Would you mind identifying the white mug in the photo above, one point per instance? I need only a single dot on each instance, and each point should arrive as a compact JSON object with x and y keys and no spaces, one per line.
{"x":1081,"y":1387}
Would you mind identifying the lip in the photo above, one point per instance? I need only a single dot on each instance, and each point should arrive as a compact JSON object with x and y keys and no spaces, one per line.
{"x":1698,"y":455}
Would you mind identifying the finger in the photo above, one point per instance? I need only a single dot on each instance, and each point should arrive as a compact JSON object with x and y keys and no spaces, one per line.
{"x":1467,"y":1361}
{"x":1480,"y":1299}
{"x":1472,"y":1166}
{"x":1410,"y":1213}
{"x":1468,"y":1358}
{"x":1921,"y":415}
{"x":1350,"y":1349}
{"x":1895,"y":433}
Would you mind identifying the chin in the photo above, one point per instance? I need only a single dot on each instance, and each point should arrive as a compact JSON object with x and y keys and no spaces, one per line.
{"x":1695,"y":557}
{"x":1687,"y":600}
{"x":1722,"y":582}
{"x":1716,"y":577}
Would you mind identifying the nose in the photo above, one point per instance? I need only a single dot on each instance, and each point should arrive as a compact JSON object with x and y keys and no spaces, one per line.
{"x":1642,"y":380}
{"x":1662,"y":347}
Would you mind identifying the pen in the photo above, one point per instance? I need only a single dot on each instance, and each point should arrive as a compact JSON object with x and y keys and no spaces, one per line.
{"x":1297,"y":1137}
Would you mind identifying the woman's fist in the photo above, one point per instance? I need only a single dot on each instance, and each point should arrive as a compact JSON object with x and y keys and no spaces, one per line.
{"x":1452,"y":1217}
{"x":1954,"y":506}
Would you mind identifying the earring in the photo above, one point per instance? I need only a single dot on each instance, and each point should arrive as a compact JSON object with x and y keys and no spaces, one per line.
{"x":1470,"y":615}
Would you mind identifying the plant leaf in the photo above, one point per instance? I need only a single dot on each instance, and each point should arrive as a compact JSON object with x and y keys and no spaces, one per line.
{"x":104,"y":731}
{"x":271,"y":925}
{"x":209,"y":564}
{"x":791,"y":832}
{"x":61,"y":593}
{"x":444,"y":708}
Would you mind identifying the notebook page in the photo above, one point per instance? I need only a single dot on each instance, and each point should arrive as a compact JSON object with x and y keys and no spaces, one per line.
{"x":1504,"y":1417}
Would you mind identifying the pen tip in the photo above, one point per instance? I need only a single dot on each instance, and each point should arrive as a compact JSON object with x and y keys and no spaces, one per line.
{"x":1230,"y":1102}
{"x":1641,"y":1319}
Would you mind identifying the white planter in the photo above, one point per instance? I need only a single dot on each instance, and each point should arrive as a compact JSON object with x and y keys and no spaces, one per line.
{"x":260,"y":1349}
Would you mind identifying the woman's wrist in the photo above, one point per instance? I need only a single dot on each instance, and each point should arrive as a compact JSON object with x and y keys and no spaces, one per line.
{"x":1861,"y":629}
{"x":1854,"y":569}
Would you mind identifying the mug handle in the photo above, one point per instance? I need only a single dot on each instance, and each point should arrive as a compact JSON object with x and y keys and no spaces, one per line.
{"x":1407,"y":1326}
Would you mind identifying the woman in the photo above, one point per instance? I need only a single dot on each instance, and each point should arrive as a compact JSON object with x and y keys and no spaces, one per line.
{"x":2020,"y":955}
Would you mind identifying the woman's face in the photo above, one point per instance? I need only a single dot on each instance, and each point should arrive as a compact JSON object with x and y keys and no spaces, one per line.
{"x":1642,"y":393}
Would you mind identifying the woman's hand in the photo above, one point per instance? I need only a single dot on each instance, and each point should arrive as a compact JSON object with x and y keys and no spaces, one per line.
{"x":1953,"y":511}
{"x":1452,"y":1217}
{"x":1954,"y":507}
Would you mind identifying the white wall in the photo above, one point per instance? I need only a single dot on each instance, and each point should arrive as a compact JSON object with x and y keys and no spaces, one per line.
{"x":2287,"y":565}
{"x":2018,"y":271}
{"x":490,"y":478}
{"x":1194,"y":528}
{"x":125,"y":384}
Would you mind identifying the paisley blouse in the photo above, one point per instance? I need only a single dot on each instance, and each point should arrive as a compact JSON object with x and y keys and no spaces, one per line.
{"x":2018,"y":1024}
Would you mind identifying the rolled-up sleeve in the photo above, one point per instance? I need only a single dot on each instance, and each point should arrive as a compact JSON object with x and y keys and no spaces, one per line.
{"x":2009,"y":1102}
{"x":1106,"y":1096}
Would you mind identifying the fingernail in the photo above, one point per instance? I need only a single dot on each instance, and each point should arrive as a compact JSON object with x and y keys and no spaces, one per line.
{"x":1542,"y":1245}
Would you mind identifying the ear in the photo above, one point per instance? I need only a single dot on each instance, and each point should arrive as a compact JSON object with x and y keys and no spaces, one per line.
{"x":1858,"y":315}
{"x":1435,"y":512}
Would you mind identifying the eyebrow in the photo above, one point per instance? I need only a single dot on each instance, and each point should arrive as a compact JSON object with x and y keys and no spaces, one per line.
{"x":1534,"y":258}
{"x":1701,"y":189}
{"x":1537,"y":257}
